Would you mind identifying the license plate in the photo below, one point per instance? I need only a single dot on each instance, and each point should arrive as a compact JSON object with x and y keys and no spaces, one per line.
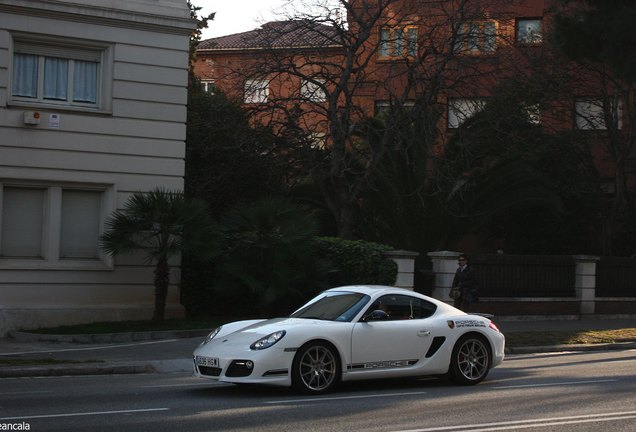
{"x":207,"y":361}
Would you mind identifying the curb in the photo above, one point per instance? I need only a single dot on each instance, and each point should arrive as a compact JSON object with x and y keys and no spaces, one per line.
{"x":74,"y":370}
{"x":115,"y":368}
{"x":108,"y":337}
{"x":624,"y":345}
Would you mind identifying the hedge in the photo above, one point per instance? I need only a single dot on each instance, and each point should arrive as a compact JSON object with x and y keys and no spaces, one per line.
{"x":358,"y":262}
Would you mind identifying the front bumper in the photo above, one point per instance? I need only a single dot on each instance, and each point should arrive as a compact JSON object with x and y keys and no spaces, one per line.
{"x":250,"y":367}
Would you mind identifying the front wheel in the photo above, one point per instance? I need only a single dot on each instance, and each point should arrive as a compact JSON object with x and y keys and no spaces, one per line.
{"x":316,"y":369}
{"x":470,"y":361}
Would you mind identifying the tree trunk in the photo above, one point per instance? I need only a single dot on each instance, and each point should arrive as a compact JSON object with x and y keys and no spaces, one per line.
{"x":162,"y":280}
{"x":346,"y":221}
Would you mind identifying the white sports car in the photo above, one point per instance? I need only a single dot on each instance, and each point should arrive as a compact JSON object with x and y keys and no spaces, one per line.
{"x":353,"y":333}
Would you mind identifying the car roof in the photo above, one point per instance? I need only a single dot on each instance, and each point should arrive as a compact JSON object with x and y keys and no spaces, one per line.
{"x":372,"y":289}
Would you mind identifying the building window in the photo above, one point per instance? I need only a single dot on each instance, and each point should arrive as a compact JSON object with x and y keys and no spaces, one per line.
{"x":58,"y":74}
{"x":533,"y":113}
{"x":256,"y":91}
{"x":590,"y":115}
{"x":461,"y":109}
{"x":48,"y":226}
{"x":318,"y":140}
{"x":385,"y":108}
{"x":476,"y":38}
{"x":529,"y":31}
{"x":22,"y":222}
{"x":208,"y":86}
{"x":398,"y":43}
{"x":80,"y":224}
{"x":313,"y":91}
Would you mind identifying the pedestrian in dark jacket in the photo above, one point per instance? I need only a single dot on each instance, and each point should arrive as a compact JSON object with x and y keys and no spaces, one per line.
{"x":466,"y":281}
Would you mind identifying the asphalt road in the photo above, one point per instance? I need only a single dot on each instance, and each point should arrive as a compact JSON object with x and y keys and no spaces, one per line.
{"x":586,"y":391}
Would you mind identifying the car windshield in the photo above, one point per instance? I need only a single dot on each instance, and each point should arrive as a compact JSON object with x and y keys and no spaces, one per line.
{"x":333,"y":306}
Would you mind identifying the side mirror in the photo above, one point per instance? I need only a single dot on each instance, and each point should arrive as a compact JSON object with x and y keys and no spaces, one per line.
{"x":376,"y":315}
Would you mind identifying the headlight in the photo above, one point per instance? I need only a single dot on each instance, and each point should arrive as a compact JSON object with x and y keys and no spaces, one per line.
{"x":268,"y":341}
{"x":209,"y":337}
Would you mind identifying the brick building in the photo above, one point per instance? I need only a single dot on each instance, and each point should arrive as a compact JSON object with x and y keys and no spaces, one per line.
{"x":253,"y":67}
{"x":441,"y":59}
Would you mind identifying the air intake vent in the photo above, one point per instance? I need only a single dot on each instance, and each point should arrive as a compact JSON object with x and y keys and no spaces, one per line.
{"x":438,"y":341}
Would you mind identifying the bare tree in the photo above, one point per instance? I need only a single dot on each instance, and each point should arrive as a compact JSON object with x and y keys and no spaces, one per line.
{"x":361,"y":57}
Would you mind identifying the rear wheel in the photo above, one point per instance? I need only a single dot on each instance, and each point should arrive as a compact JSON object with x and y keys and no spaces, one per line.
{"x":470,"y":361}
{"x":316,"y":368}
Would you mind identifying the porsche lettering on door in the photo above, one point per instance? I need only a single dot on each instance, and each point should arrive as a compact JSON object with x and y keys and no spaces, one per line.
{"x":389,"y":344}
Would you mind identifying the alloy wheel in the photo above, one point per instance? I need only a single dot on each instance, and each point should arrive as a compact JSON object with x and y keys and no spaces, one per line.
{"x":317,"y":369}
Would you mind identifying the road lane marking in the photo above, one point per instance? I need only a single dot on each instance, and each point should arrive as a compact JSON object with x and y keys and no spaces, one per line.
{"x":535,"y":423}
{"x":554,"y":384}
{"x":94,"y":413}
{"x":26,"y":392}
{"x":327,"y":399}
{"x":88,"y":349}
{"x":179,"y":385}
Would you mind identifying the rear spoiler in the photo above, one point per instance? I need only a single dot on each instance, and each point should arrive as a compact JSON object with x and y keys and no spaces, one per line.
{"x":485,"y":315}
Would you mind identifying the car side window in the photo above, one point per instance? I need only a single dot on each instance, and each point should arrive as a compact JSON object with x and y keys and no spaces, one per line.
{"x":401,"y":307}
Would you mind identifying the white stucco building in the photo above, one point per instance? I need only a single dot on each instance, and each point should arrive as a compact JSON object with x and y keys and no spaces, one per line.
{"x":92,"y":109}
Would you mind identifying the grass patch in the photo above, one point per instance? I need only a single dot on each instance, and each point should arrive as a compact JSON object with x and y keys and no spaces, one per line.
{"x":543,"y":338}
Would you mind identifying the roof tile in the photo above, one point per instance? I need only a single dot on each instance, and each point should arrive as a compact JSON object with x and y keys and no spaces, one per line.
{"x":277,"y":34}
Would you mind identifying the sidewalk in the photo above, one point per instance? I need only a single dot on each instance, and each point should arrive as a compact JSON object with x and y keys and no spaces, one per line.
{"x":164,"y":352}
{"x":514,"y":324}
{"x":120,"y":353}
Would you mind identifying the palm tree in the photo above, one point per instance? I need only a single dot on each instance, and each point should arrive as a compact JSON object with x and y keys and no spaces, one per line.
{"x":161,"y":224}
{"x":267,"y":250}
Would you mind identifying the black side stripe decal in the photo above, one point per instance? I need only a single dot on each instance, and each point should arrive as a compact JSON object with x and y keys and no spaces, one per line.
{"x":383,"y":364}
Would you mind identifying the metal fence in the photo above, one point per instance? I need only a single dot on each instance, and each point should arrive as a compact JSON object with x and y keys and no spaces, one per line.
{"x":524,"y":275}
{"x":616,"y":277}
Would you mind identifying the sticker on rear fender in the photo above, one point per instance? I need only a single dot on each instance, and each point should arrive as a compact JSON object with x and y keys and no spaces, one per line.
{"x":468,"y":323}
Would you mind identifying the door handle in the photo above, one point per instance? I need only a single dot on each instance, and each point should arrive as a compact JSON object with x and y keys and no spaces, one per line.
{"x":423,"y":333}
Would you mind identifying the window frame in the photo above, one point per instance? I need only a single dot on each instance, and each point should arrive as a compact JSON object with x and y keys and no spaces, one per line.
{"x":313,"y":91}
{"x":394,"y":302}
{"x":40,"y":231}
{"x":398,"y":47}
{"x":478,"y":102}
{"x":73,"y":50}
{"x":468,"y":43}
{"x":51,"y":244}
{"x":384,"y":108}
{"x":256,"y":91}
{"x":593,"y":120}
{"x":208,"y":86}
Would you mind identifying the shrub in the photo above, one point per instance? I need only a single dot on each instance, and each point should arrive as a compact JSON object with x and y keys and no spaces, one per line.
{"x":269,"y":262}
{"x":358,"y":262}
{"x":265,"y":261}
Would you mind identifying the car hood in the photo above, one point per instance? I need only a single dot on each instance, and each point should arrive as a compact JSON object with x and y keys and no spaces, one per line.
{"x":267,"y":326}
{"x":244,"y":333}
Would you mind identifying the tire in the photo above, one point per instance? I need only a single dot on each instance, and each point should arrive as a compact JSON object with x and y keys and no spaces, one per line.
{"x":470,"y":362}
{"x":316,"y":368}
